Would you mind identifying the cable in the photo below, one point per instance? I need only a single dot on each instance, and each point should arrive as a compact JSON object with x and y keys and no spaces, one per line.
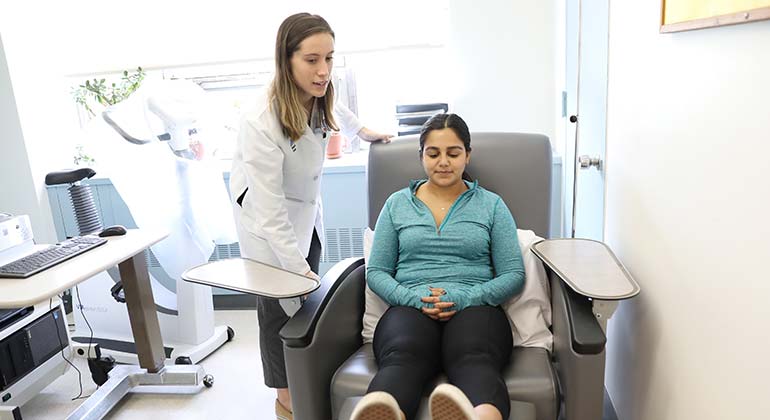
{"x":61,"y":343}
{"x":91,"y":337}
{"x":96,"y":355}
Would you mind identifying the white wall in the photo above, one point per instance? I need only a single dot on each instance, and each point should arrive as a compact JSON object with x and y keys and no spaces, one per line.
{"x":501,"y":65}
{"x":688,"y":197}
{"x":387,"y":78}
{"x":21,"y":190}
{"x":14,"y":171}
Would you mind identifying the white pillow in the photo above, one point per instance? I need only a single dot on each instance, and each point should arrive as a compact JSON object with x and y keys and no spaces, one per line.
{"x":529,"y":312}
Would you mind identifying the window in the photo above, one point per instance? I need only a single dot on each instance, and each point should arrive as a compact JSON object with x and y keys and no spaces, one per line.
{"x":231,"y":90}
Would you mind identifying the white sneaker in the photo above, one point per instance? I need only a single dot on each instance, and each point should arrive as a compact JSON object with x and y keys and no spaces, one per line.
{"x":377,"y":406}
{"x":448,"y":402}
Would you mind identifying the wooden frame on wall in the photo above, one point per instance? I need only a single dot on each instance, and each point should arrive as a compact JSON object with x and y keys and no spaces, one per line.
{"x":686,"y":15}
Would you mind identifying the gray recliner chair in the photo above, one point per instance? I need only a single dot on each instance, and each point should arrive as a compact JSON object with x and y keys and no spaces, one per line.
{"x":328,"y":366}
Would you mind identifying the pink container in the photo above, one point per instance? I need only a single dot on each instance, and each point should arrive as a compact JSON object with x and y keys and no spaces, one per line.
{"x":335,"y":146}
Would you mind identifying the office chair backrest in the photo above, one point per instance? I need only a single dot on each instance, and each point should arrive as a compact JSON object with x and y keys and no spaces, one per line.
{"x":517,"y":166}
{"x":411,"y":117}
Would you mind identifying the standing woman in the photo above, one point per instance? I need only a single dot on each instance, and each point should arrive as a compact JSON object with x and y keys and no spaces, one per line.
{"x":276,"y":175}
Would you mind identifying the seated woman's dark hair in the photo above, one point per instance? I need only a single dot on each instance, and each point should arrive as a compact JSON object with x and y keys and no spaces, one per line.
{"x":452,"y":121}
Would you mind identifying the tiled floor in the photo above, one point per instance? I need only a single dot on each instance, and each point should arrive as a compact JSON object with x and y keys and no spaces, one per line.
{"x":238,"y":391}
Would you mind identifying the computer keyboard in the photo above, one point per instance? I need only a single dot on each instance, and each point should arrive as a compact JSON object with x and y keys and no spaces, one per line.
{"x":49,"y":257}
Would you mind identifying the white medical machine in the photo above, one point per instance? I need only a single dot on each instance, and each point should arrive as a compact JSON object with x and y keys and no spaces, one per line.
{"x":146,"y":146}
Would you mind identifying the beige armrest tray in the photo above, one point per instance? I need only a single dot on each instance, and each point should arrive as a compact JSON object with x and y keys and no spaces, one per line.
{"x":252,"y":277}
{"x":588,"y":267}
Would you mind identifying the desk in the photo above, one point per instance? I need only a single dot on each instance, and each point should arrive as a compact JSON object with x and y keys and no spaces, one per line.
{"x":126,"y":252}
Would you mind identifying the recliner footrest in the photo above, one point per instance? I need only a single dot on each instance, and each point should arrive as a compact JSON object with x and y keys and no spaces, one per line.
{"x":529,"y":377}
{"x":520,"y":410}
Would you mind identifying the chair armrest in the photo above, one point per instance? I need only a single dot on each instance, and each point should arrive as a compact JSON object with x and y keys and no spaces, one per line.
{"x":299,"y":330}
{"x":586,"y":334}
{"x":321,"y":336}
{"x":578,"y":350}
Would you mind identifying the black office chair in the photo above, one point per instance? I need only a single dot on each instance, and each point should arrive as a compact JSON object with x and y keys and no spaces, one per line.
{"x":411,"y":117}
{"x":328,"y":365}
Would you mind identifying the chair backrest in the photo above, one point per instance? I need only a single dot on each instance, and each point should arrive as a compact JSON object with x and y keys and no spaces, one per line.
{"x":516,"y":166}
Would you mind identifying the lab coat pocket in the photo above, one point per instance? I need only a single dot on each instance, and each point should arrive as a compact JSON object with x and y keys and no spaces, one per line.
{"x":294,"y":206}
{"x":294,"y":183}
{"x":302,"y":217}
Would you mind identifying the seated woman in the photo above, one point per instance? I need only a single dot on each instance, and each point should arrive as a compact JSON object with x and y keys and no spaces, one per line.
{"x":445,"y":256}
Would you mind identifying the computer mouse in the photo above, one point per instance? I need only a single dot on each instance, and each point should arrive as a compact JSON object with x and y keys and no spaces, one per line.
{"x":116,"y":230}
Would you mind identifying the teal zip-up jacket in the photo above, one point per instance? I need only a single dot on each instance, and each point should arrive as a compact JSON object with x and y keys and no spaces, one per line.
{"x":474,"y":255}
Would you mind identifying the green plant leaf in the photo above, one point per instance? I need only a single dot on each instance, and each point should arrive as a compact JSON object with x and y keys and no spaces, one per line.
{"x":106,"y":94}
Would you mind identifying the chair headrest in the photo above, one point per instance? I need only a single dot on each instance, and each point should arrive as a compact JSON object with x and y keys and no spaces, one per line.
{"x":516,"y":166}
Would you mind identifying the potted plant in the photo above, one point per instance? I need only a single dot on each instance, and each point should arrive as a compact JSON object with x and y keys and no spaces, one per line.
{"x":98,"y":93}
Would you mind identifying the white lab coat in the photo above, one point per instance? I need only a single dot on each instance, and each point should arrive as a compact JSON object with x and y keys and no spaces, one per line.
{"x":277,"y":215}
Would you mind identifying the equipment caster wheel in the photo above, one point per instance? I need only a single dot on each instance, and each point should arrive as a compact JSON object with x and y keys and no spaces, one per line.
{"x":230,"y":334}
{"x":208,"y":381}
{"x":183,"y":360}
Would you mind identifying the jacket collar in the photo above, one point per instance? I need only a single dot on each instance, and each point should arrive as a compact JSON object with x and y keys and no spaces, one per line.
{"x":415,"y":184}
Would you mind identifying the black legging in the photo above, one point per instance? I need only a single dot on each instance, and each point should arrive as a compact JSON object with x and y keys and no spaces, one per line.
{"x":471,"y":348}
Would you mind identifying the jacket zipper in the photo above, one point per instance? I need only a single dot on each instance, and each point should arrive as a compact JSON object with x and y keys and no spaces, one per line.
{"x":449,"y":213}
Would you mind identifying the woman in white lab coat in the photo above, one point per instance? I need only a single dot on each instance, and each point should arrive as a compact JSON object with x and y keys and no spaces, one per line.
{"x":276,"y":175}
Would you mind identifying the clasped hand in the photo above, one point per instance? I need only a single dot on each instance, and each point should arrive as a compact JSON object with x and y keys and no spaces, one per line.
{"x":440,"y":310}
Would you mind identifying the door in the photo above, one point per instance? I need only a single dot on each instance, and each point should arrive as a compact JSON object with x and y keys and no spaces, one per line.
{"x":586,"y":59}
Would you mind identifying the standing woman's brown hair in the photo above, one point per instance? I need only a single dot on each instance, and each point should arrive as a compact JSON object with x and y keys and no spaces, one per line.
{"x":284,"y":92}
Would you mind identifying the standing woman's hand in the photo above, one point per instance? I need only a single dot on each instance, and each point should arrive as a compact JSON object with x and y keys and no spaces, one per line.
{"x":311,"y":274}
{"x":371,"y":136}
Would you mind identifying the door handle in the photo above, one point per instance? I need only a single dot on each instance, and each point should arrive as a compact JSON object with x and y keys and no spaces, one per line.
{"x":588,"y":161}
